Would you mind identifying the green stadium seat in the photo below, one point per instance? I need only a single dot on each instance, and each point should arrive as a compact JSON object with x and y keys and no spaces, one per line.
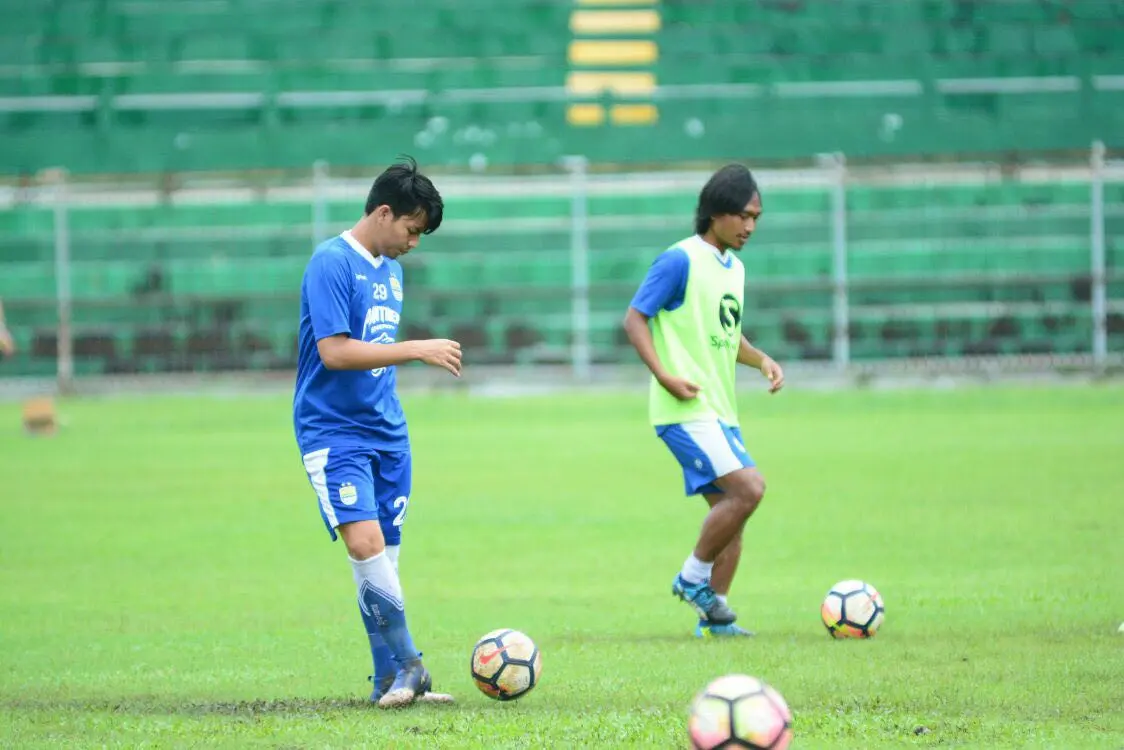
{"x":27,"y":281}
{"x":265,"y":50}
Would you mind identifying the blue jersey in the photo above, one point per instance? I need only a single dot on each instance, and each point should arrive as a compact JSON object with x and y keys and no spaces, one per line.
{"x":348,"y":290}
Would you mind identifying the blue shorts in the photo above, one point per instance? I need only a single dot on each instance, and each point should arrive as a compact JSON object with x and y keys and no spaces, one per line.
{"x":360,"y":484}
{"x":707,"y":450}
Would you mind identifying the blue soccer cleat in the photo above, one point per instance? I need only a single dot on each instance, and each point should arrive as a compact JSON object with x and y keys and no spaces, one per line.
{"x":706,"y":629}
{"x":412,"y":683}
{"x":383,"y":686}
{"x":379,"y":688}
{"x":702,"y":598}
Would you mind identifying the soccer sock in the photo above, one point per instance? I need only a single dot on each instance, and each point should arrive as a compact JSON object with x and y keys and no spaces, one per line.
{"x":695,"y":570}
{"x":380,"y":601}
{"x":381,"y":655}
{"x":721,"y":598}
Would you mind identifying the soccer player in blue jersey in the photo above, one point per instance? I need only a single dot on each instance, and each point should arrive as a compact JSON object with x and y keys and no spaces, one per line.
{"x":349,"y":423}
{"x":685,"y":323}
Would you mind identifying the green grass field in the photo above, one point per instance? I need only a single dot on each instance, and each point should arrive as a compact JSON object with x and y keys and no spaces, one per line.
{"x":165,"y":579}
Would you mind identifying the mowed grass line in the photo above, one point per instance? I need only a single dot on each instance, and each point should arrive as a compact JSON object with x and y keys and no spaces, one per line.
{"x":165,"y":579}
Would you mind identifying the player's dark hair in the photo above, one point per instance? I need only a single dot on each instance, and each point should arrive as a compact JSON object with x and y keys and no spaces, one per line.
{"x":407,"y":191}
{"x":726,"y":192}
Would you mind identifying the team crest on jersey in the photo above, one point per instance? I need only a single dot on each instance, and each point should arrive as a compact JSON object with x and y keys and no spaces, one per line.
{"x":396,"y":287}
{"x":348,"y":494}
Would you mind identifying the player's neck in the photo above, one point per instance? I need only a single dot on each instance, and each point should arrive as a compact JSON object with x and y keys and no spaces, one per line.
{"x":364,"y":236}
{"x":711,"y":240}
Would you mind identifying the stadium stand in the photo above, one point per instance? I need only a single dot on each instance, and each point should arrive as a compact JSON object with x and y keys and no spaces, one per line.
{"x":150,"y":86}
{"x":145,"y":85}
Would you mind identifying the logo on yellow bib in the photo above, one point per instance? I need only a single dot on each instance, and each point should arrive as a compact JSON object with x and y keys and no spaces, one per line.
{"x":730,"y":314}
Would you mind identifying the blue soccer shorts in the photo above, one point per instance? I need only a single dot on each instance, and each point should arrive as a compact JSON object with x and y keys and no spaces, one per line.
{"x":360,"y":484}
{"x":707,"y":450}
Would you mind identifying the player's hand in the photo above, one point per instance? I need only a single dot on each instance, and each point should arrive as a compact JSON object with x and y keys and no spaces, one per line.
{"x":771,"y":370}
{"x":7,"y":345}
{"x":442,"y":353}
{"x":681,"y":388}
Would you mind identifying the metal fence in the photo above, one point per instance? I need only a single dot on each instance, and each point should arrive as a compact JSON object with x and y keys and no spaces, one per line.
{"x":849,"y":265}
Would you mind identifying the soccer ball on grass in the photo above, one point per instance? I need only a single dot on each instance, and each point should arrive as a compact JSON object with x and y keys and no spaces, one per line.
{"x":852,"y":609}
{"x":739,"y":711}
{"x":506,"y":664}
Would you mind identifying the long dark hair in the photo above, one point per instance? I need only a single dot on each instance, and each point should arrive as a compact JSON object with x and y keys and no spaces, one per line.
{"x":726,"y":192}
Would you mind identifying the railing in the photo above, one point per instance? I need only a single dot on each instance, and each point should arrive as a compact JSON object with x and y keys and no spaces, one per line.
{"x":849,"y":265}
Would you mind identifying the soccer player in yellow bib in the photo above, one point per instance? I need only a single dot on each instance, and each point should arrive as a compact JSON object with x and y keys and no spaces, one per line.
{"x":685,"y":322}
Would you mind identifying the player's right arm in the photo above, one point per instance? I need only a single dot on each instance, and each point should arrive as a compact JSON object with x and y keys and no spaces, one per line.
{"x":327,"y":283}
{"x":341,"y":352}
{"x":662,"y":289}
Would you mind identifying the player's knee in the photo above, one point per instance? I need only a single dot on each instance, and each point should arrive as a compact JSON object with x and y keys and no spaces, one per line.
{"x":757,"y":488}
{"x":363,"y":540}
{"x":750,"y":492}
{"x":364,"y":549}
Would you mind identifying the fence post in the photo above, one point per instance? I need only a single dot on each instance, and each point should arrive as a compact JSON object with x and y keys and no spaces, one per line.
{"x":841,"y":337}
{"x":64,"y":332}
{"x":581,"y":357}
{"x":319,"y":201}
{"x":1097,"y":253}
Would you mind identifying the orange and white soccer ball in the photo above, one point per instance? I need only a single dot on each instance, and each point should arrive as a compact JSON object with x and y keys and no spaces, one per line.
{"x":739,"y":711}
{"x":853,"y":609}
{"x":506,"y":664}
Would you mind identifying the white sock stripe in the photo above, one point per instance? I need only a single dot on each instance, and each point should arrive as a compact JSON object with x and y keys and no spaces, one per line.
{"x":368,"y":586}
{"x":379,"y":575}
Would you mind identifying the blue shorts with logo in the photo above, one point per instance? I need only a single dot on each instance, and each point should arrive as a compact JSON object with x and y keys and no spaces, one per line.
{"x":361,"y":484}
{"x":707,"y":450}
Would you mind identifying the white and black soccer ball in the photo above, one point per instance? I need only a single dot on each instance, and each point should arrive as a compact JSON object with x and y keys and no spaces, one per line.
{"x":853,"y":609}
{"x":739,"y":711}
{"x":506,"y":664}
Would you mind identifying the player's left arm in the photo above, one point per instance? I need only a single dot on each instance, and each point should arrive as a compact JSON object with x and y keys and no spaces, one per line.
{"x":7,"y":344}
{"x":748,"y":354}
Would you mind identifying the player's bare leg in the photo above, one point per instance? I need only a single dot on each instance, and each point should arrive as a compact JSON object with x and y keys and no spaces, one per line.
{"x":742,"y":491}
{"x":722,"y":575}
{"x":726,"y":564}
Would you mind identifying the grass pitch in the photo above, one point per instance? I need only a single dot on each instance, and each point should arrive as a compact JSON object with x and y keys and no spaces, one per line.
{"x":165,"y":579}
